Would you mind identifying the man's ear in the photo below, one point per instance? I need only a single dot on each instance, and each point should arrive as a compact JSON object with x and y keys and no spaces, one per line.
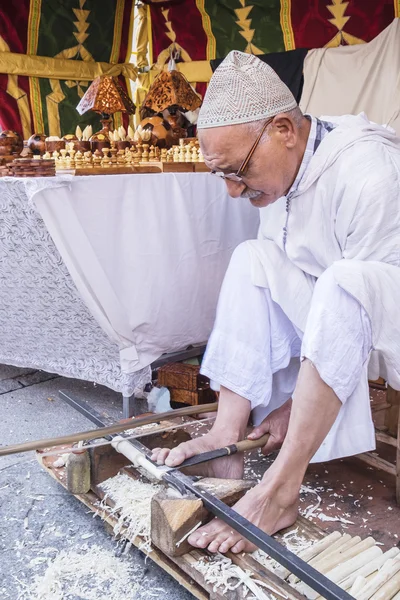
{"x":285,"y":130}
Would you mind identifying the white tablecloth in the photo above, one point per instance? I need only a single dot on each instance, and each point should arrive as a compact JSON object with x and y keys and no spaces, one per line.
{"x":147,"y":253}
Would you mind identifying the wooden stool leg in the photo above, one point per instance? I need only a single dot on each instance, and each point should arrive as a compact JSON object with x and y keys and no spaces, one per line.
{"x":392,"y":413}
{"x":398,"y":461}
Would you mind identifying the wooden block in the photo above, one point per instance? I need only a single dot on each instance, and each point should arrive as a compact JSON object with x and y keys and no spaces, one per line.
{"x":177,"y":167}
{"x":105,"y":462}
{"x":173,"y":517}
{"x":200,"y":167}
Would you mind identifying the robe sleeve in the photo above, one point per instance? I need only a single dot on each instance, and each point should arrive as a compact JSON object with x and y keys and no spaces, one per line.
{"x":373,"y":232}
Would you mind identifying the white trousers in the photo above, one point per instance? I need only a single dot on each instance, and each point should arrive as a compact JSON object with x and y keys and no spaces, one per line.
{"x":255,"y":351}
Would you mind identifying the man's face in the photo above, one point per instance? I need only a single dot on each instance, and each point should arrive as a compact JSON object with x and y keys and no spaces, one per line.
{"x":271,"y":169}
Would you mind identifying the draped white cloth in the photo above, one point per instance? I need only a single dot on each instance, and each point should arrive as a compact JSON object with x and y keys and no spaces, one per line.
{"x":147,"y":253}
{"x":352,"y":79}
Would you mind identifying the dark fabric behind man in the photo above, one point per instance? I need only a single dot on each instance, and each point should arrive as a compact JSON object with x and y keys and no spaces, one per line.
{"x":287,"y":65}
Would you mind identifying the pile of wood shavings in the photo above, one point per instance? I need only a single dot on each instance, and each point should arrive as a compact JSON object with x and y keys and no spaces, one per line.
{"x":132,"y":507}
{"x":220,"y":572}
{"x":292,"y":540}
{"x":92,"y":573}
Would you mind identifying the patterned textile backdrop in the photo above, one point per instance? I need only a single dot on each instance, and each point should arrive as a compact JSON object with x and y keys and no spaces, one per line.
{"x":207,"y":29}
{"x":71,"y":31}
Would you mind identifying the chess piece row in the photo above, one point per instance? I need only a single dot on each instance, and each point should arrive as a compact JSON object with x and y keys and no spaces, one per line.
{"x":69,"y":158}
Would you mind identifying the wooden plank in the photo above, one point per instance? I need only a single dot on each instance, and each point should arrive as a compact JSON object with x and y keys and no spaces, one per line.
{"x":386,"y":439}
{"x":181,"y":567}
{"x":377,"y":462}
{"x":128,"y":170}
{"x":246,"y":561}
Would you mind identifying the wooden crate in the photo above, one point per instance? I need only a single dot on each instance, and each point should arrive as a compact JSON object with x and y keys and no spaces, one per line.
{"x":202,"y":396}
{"x":180,"y":376}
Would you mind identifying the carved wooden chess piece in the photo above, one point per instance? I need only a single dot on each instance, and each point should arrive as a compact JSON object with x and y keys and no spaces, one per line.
{"x":145,"y":154}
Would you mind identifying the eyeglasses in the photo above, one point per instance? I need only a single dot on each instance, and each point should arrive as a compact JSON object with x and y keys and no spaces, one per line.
{"x":238,"y":176}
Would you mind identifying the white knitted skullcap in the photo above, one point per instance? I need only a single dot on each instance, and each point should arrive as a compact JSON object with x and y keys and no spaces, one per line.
{"x":243,"y":89}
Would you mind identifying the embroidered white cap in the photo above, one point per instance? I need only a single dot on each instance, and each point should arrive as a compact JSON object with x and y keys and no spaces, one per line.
{"x":243,"y":89}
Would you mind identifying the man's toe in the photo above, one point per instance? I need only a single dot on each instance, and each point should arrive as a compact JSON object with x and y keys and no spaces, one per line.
{"x":239,"y":546}
{"x":227,"y":544}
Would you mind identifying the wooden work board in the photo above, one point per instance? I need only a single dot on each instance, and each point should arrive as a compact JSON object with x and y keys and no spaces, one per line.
{"x":181,"y":567}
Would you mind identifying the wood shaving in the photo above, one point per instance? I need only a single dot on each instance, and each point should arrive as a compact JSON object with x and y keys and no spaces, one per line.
{"x":60,"y":462}
{"x":132,"y":507}
{"x":188,"y":534}
{"x":220,"y":572}
{"x":92,"y":573}
{"x":324,"y":517}
{"x":292,"y":541}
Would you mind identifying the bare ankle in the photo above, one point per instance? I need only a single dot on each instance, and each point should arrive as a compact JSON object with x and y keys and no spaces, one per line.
{"x":227,"y":435}
{"x":284,"y":490}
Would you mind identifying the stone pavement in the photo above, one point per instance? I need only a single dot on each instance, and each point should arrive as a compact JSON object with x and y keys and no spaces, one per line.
{"x":38,"y":518}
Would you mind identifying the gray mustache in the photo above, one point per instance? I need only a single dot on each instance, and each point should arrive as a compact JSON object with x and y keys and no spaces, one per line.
{"x":249,"y":193}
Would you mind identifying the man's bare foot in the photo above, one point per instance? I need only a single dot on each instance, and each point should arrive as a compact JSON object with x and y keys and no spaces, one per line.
{"x":269,"y":508}
{"x":231,"y":467}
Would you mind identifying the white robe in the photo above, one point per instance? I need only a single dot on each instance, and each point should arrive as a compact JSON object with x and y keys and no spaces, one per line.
{"x":345,"y":218}
{"x":345,"y":214}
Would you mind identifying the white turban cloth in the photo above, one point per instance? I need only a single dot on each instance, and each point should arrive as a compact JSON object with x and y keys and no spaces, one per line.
{"x":243,"y":89}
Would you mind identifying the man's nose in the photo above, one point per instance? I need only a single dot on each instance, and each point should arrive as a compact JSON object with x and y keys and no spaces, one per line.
{"x":235,"y":188}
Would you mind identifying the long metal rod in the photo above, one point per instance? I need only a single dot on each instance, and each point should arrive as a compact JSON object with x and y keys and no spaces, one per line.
{"x":318,"y":582}
{"x":103,"y":431}
{"x":85,"y":409}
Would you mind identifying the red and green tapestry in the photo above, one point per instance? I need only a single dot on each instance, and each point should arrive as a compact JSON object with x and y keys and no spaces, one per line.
{"x":76,"y":30}
{"x":208,"y":29}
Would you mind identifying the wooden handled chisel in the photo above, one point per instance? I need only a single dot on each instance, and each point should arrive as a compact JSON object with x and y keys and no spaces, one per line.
{"x":243,"y":446}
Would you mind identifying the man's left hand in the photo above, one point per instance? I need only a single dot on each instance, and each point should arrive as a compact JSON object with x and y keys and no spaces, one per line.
{"x":276,"y":424}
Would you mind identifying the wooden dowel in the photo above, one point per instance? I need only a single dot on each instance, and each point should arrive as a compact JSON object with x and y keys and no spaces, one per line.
{"x":308,"y":553}
{"x":367,"y":570}
{"x":338,"y":558}
{"x":389,"y":589}
{"x":102,"y":431}
{"x":344,"y":553}
{"x":358,"y":584}
{"x":389,"y":569}
{"x":339,"y":573}
{"x":344,"y":539}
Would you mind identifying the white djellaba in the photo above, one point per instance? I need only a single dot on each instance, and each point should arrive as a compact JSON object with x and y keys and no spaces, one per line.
{"x":329,"y":290}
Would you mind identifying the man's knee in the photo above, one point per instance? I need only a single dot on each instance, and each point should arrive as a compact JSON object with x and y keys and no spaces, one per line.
{"x":240,"y":260}
{"x":327,"y":280}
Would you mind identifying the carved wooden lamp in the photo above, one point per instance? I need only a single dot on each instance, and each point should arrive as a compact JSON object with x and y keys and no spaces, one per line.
{"x":172,"y":95}
{"x":171,"y":89}
{"x":106,"y":96}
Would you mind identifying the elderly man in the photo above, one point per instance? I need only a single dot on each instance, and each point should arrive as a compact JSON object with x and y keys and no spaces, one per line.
{"x":309,"y":306}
